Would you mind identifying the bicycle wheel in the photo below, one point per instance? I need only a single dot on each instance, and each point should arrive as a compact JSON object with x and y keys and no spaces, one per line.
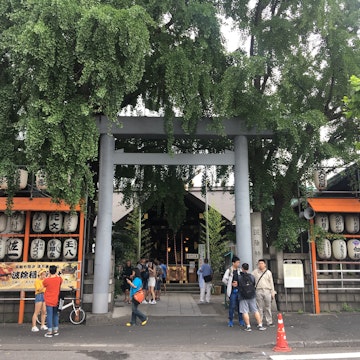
{"x":77,"y":316}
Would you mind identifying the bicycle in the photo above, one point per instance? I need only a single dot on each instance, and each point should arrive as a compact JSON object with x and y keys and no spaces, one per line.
{"x":77,"y":314}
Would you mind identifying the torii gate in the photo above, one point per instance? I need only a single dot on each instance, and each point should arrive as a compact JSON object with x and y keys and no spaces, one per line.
{"x":153,"y":127}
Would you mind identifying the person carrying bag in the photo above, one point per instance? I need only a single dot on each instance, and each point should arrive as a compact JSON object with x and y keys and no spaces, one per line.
{"x":137,"y":296}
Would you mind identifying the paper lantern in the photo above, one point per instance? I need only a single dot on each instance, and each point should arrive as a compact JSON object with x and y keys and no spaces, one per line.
{"x":40,"y":180}
{"x":55,"y":221}
{"x":323,"y":249}
{"x":322,"y":220}
{"x":320,"y":179}
{"x":352,"y":224}
{"x":353,"y":248}
{"x":339,"y":249}
{"x":37,"y":249}
{"x":17,"y":222}
{"x":70,"y":249}
{"x":336,"y":223}
{"x":14,"y":248}
{"x":70,"y":222}
{"x":54,"y":249}
{"x":3,"y":222}
{"x":39,"y":222}
{"x":3,"y":247}
{"x":21,"y":181}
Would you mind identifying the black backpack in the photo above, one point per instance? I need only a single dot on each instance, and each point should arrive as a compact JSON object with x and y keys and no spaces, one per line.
{"x":246,"y":286}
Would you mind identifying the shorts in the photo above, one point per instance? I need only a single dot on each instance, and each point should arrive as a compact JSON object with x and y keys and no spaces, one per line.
{"x":158,"y":284}
{"x":248,"y":306}
{"x":39,"y":297}
{"x":151,"y":282}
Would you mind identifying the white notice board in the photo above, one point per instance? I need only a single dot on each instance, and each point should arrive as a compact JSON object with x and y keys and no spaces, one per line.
{"x":293,"y":275}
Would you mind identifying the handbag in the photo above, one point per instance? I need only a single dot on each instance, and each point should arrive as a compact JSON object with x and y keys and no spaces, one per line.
{"x":139,"y":296}
{"x":207,"y":278}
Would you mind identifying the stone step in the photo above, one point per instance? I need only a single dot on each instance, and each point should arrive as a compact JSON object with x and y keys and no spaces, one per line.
{"x":189,"y":288}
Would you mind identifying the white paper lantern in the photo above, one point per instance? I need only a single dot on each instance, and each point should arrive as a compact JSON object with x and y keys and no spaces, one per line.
{"x":336,"y":223}
{"x":70,"y":249}
{"x":39,"y":222}
{"x":3,"y":247}
{"x":55,"y":221}
{"x":21,"y":181}
{"x":37,"y":249}
{"x":14,"y":248}
{"x":352,"y":223}
{"x":353,"y":248}
{"x":17,"y":222}
{"x":3,"y":222}
{"x":70,"y":222}
{"x":339,"y":249}
{"x":320,"y":179}
{"x":40,"y":179}
{"x":323,"y":249}
{"x":23,"y":178}
{"x":322,"y":220}
{"x":54,"y":249}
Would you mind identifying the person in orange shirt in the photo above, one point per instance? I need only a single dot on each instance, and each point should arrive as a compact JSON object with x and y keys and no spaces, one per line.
{"x":39,"y":302}
{"x":52,"y":285}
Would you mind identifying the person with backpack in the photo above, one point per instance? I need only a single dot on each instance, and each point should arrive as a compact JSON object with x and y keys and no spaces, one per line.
{"x":247,"y":296}
{"x":231,"y":280}
{"x":207,"y":273}
{"x":144,"y":274}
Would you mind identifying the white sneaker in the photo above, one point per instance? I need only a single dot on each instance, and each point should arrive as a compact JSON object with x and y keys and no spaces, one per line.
{"x":44,"y":327}
{"x":153,"y":302}
{"x":144,"y":302}
{"x":34,"y":329}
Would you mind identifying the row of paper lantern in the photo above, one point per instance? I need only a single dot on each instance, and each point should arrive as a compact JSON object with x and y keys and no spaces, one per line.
{"x":337,"y":222}
{"x":56,"y":222}
{"x":23,"y":176}
{"x":13,"y":248}
{"x":338,"y":249}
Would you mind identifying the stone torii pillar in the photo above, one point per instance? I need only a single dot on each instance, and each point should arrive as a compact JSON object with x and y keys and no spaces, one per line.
{"x":152,"y":127}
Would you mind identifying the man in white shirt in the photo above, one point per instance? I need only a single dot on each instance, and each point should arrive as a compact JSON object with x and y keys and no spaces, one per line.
{"x":265,"y":291}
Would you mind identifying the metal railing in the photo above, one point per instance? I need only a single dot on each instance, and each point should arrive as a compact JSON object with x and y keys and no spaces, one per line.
{"x":342,"y":281}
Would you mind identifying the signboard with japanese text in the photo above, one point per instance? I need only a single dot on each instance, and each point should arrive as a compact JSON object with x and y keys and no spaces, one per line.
{"x":16,"y":276}
{"x":293,"y":275}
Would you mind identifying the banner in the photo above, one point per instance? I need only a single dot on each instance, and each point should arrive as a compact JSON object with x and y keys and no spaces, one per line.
{"x":16,"y":276}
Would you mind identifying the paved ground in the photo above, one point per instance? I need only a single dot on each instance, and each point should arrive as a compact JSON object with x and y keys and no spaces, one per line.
{"x":178,"y":325}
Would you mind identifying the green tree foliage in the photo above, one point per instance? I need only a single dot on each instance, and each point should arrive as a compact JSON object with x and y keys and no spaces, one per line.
{"x":62,"y":62}
{"x":289,"y":75}
{"x":218,"y":243}
{"x":352,"y":103}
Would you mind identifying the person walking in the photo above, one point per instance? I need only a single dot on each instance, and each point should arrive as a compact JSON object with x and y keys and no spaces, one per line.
{"x":231,"y":280}
{"x":135,"y":284}
{"x":207,"y":272}
{"x":247,"y":296}
{"x":265,"y":291}
{"x":40,"y":306}
{"x":52,"y":285}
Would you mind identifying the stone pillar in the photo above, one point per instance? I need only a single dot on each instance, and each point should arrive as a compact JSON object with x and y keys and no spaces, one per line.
{"x":104,"y":226}
{"x":242,"y":201}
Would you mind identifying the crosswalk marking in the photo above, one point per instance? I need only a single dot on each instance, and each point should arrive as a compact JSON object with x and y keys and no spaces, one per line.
{"x":353,"y":355}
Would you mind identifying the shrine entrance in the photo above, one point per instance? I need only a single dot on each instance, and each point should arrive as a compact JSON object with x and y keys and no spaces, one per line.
{"x":153,"y":127}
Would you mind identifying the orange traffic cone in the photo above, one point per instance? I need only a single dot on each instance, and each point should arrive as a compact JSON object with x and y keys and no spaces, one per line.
{"x":281,"y":342}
